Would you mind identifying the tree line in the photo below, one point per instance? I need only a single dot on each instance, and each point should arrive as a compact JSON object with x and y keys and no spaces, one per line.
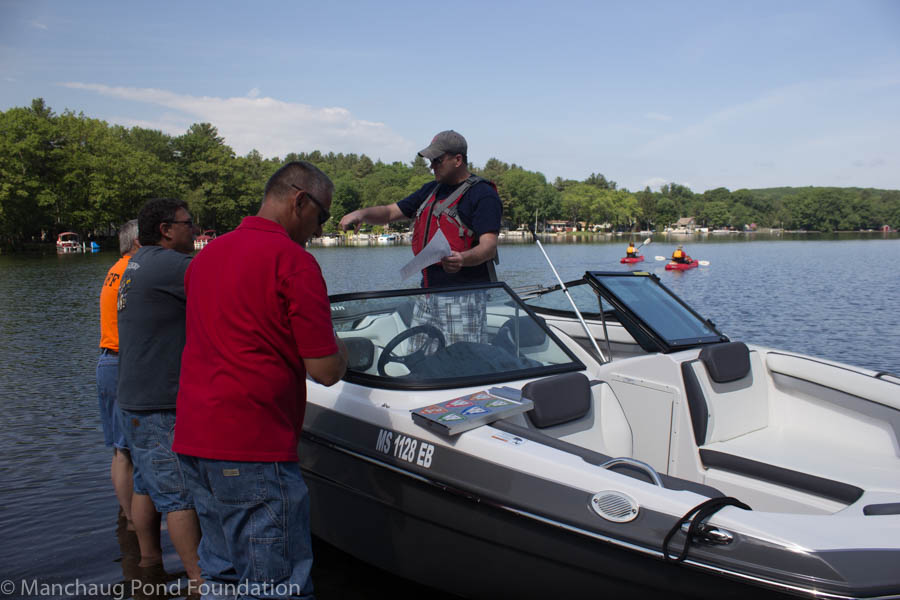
{"x":72,"y":172}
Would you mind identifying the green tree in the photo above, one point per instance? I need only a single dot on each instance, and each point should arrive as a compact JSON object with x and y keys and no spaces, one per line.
{"x":250,"y":174}
{"x":524,"y":194}
{"x":666,"y":212}
{"x":647,"y":203}
{"x":493,"y":169}
{"x":419,"y":166}
{"x":74,"y":172}
{"x":625,"y":209}
{"x":29,"y":172}
{"x":207,"y":172}
{"x":715,"y":214}
{"x":345,"y":199}
{"x":582,"y":202}
{"x":599,"y":181}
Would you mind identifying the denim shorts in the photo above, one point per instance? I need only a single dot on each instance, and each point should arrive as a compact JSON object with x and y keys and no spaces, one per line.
{"x":256,"y":532}
{"x":157,"y":470}
{"x":107,"y":381}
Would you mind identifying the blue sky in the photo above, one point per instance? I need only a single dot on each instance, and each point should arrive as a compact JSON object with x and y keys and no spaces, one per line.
{"x":706,"y":94}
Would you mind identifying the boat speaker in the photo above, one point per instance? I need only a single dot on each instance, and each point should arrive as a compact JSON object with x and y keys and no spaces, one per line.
{"x":614,"y":506}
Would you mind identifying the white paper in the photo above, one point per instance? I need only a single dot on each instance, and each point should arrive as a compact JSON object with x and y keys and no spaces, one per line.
{"x":433,"y":252}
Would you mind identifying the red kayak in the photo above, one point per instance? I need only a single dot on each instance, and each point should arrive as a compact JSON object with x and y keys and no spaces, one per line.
{"x":632,"y":259}
{"x":677,"y":266}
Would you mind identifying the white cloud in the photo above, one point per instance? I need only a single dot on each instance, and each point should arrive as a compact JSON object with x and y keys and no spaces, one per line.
{"x":37,"y":25}
{"x":170,"y":124}
{"x":655,"y":116}
{"x":271,"y":126}
{"x":254,"y":93}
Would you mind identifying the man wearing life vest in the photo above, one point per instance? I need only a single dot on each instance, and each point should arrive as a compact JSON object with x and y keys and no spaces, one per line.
{"x":680,"y":256}
{"x":465,"y":207}
{"x":630,"y":252}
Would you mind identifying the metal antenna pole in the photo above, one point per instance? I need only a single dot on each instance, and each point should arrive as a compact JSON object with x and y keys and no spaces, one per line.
{"x":571,"y":301}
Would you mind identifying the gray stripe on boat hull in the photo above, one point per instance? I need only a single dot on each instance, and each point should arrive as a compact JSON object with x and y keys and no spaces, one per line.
{"x":474,"y":488}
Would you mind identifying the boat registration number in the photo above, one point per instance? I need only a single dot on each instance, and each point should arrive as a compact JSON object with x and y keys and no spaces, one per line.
{"x":405,"y":448}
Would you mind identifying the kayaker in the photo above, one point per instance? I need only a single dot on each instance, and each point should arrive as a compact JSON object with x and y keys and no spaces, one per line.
{"x":631,"y":252}
{"x":680,"y":256}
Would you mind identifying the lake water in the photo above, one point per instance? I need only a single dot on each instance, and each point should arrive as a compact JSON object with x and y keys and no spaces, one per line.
{"x":829,"y":296}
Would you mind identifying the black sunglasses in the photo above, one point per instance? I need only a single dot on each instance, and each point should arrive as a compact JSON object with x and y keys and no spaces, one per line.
{"x":436,"y":162}
{"x":324,"y":215}
{"x":188,"y":222}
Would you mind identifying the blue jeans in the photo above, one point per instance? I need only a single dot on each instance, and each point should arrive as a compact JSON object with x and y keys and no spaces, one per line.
{"x":107,"y":382}
{"x":158,"y":471}
{"x":255,"y":522}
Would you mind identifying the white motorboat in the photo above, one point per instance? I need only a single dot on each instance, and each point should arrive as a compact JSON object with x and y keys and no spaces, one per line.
{"x":388,"y":238}
{"x":68,"y":242}
{"x":203,"y":239}
{"x":508,"y":454}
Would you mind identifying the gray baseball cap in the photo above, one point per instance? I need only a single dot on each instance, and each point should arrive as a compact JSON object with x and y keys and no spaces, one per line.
{"x":444,"y":142}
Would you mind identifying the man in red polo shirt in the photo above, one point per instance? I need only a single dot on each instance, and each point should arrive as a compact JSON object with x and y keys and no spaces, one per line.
{"x":258,"y":322}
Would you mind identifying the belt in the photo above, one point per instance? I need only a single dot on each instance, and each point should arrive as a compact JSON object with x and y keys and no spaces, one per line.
{"x":108,"y":351}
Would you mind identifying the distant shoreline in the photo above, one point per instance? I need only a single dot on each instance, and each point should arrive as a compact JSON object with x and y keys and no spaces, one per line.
{"x":46,"y":248}
{"x":583,"y":236}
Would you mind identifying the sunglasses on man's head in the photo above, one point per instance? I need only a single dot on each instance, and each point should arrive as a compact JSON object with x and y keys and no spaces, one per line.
{"x":324,"y":215}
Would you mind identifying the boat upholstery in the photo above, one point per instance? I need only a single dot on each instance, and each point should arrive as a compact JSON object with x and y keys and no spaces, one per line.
{"x":696,"y":403}
{"x":558,"y":399}
{"x":530,"y":333}
{"x":726,"y":362}
{"x":735,"y":431}
{"x":872,"y":388}
{"x":571,"y":408}
{"x":361,"y":353}
{"x":726,"y":393}
{"x":598,"y":458}
{"x":804,"y":482}
{"x":889,"y":508}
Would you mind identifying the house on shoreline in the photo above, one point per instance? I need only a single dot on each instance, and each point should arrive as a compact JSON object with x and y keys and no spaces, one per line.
{"x":685,"y":225}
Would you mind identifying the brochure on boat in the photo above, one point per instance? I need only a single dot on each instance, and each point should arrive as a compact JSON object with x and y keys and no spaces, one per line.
{"x":474,"y":410}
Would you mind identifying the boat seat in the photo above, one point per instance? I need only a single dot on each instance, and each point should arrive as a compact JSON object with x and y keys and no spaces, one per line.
{"x":598,"y":458}
{"x":726,"y":392}
{"x":728,"y":401}
{"x":586,"y":413}
{"x":558,"y":399}
{"x":726,"y":362}
{"x":531,"y":336}
{"x":360,"y":353}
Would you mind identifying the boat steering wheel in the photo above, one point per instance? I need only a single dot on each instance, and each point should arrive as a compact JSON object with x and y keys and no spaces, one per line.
{"x":387,"y":356}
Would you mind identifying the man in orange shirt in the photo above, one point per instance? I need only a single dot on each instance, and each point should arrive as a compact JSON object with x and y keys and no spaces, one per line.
{"x":108,"y":370}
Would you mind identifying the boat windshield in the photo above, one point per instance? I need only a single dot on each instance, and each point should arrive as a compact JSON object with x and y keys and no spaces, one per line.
{"x":553,"y":300}
{"x":453,"y":337}
{"x":653,"y":315}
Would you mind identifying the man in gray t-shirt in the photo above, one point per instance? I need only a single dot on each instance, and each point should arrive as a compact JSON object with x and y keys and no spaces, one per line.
{"x":151,"y":325}
{"x":151,"y":312}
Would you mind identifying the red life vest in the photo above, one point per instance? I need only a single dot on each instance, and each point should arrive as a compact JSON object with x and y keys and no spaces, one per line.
{"x":444,"y":215}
